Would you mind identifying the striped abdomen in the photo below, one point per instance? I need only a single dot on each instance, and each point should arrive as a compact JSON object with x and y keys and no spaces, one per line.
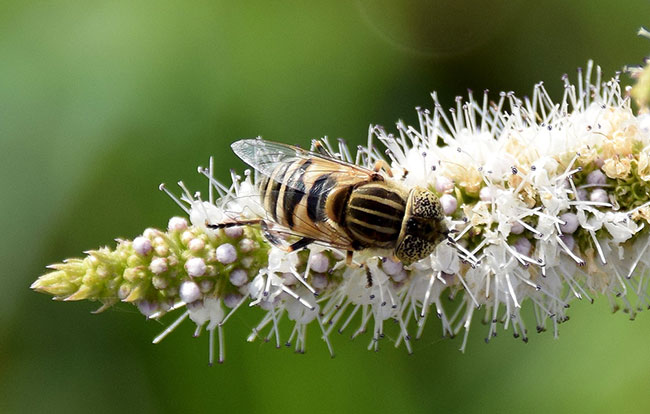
{"x":298,"y":193}
{"x":282,"y":193}
{"x":374,"y":214}
{"x":323,"y":204}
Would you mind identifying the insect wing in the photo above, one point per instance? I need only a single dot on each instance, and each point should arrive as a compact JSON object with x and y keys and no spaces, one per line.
{"x":305,"y":178}
{"x":266,"y":156}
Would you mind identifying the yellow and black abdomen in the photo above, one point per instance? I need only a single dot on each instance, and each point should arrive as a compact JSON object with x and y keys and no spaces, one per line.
{"x":283,"y":192}
{"x":374,"y":214}
{"x":323,"y":203}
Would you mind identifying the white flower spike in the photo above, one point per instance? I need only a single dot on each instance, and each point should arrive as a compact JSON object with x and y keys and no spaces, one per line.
{"x":546,"y":202}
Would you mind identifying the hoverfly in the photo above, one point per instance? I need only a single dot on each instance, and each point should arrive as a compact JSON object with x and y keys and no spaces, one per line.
{"x":325,"y":200}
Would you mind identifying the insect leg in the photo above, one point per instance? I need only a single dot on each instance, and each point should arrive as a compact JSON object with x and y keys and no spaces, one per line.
{"x":273,"y":239}
{"x":368,"y":276}
{"x":305,"y":241}
{"x":383,"y":165}
{"x":348,"y":261}
{"x":227,"y":224}
{"x":280,"y":243}
{"x":268,"y":233}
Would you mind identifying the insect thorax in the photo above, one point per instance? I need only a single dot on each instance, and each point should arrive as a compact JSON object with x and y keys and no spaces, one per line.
{"x":374,"y":214}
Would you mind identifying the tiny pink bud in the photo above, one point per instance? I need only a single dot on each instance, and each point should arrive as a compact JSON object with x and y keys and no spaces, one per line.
{"x":142,"y":246}
{"x":246,"y":245}
{"x":570,"y":223}
{"x":159,"y":282}
{"x":319,"y":263}
{"x":226,"y":253}
{"x":246,"y":262}
{"x":319,"y":281}
{"x":195,"y":267}
{"x":449,"y":204}
{"x":123,"y":291}
{"x":444,"y":184}
{"x":596,"y":177}
{"x":523,"y":246}
{"x":162,"y":250}
{"x":232,"y":299}
{"x":582,"y":194}
{"x":487,"y":194}
{"x":196,"y":245}
{"x":599,"y":195}
{"x":568,"y":240}
{"x":158,"y":265}
{"x":234,"y":232}
{"x":147,"y":308}
{"x":177,"y":224}
{"x":189,"y":292}
{"x":186,"y":237}
{"x":516,"y":228}
{"x":238,"y":277}
{"x":150,"y":233}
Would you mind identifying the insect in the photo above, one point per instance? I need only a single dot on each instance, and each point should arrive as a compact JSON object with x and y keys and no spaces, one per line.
{"x":324,"y":200}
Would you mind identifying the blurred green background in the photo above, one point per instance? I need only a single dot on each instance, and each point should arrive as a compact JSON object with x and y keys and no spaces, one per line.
{"x":102,"y":101}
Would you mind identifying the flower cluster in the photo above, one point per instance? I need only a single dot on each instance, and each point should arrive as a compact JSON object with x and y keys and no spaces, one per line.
{"x":546,"y":201}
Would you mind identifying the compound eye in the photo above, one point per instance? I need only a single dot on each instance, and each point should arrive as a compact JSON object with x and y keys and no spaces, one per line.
{"x":426,"y":205}
{"x":412,"y":249}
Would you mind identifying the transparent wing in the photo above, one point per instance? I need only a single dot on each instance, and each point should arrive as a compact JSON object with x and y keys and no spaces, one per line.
{"x":266,"y":156}
{"x":323,"y":235}
{"x":308,"y":174}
